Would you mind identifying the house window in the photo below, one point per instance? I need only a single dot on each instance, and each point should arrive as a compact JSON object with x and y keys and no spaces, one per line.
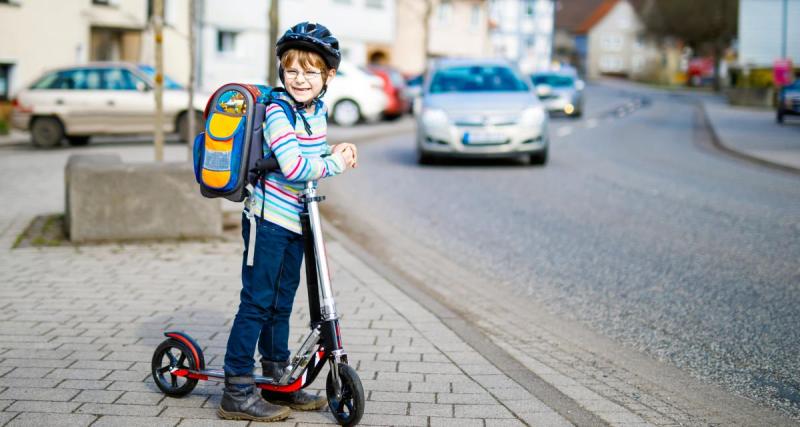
{"x":612,"y":42}
{"x":529,"y":9}
{"x":610,"y":64}
{"x":5,"y":81}
{"x":475,"y":17}
{"x":102,"y":2}
{"x":445,"y":10}
{"x":375,"y":4}
{"x":226,"y":41}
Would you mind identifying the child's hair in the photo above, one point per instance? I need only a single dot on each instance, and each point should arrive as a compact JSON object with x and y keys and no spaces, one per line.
{"x":306,"y":59}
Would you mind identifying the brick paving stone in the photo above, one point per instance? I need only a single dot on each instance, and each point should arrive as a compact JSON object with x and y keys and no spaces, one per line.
{"x":504,"y":423}
{"x":176,"y":412}
{"x":42,"y":406}
{"x":139,"y":398}
{"x":448,"y":378}
{"x":431,"y":409}
{"x":85,"y":384}
{"x":466,"y":399}
{"x":482,"y":411}
{"x":5,"y":403}
{"x":117,"y":421}
{"x":52,"y":394}
{"x":399,"y":376}
{"x":35,"y":363}
{"x":78,"y":374}
{"x":27,"y":382}
{"x":455,"y":422}
{"x":223,"y":423}
{"x":97,"y":396}
{"x":7,"y":416}
{"x":402,"y":397}
{"x":132,"y":386}
{"x":100,"y":364}
{"x":431,"y":387}
{"x":386,"y":366}
{"x":127,"y":375}
{"x":28,"y":373}
{"x":190,"y":401}
{"x":528,"y":406}
{"x":313,"y":417}
{"x":393,"y":408}
{"x":428,"y":367}
{"x":37,"y":419}
{"x":41,"y":354}
{"x":401,"y":357}
{"x":385,"y":385}
{"x":394,"y":420}
{"x":118,"y":409}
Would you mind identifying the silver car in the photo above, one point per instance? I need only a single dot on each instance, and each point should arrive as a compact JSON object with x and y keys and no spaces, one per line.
{"x":561,"y":92}
{"x":480,"y":108}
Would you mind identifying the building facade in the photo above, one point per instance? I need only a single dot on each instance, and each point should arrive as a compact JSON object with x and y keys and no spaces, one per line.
{"x":453,"y":29}
{"x":523,"y":31}
{"x":615,"y":41}
{"x":768,"y":30}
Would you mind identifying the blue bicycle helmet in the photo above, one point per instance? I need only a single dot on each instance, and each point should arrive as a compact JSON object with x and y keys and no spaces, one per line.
{"x":314,"y":37}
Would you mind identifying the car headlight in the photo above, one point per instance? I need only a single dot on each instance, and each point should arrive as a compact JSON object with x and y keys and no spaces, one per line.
{"x":433,"y":117}
{"x":533,"y":116}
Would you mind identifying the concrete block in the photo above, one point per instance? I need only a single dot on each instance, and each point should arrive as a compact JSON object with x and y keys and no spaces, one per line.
{"x":107,"y":199}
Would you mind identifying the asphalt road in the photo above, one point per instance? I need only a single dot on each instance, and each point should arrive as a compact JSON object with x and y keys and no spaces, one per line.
{"x":635,"y":228}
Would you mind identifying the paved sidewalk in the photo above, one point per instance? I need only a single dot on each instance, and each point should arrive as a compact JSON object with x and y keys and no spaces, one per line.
{"x":79,"y":325}
{"x":754,"y":132}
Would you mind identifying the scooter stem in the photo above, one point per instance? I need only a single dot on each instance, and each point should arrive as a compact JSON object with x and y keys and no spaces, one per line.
{"x":327,"y":305}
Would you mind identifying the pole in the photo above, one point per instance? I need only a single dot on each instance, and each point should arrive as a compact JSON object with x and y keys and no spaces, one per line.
{"x":272,"y":71}
{"x":192,"y":60}
{"x":158,"y":25}
{"x":785,"y":28}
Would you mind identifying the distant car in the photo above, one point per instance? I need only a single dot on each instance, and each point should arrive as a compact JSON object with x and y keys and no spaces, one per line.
{"x":700,"y":71}
{"x":354,"y":95}
{"x":103,"y":98}
{"x":480,"y":108}
{"x":394,"y":86}
{"x":561,"y":92}
{"x":788,"y":101}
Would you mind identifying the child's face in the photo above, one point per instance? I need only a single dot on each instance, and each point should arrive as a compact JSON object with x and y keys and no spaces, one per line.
{"x":304,"y":84}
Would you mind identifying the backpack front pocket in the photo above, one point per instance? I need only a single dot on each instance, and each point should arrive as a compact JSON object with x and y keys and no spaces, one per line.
{"x":222,"y":148}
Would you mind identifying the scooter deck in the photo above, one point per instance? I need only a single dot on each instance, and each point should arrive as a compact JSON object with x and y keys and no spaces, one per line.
{"x":218,"y":375}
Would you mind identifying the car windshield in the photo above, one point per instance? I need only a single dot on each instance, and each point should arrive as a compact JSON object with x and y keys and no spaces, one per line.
{"x":477,"y":78}
{"x":168,"y":82}
{"x":554,"y":80}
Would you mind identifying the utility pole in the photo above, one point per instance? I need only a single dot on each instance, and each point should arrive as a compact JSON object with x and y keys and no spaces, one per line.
{"x":192,"y":60}
{"x":272,"y":71}
{"x":785,"y":28}
{"x":158,"y":26}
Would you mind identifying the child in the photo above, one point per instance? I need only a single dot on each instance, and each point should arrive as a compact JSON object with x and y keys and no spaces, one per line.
{"x":309,"y":56}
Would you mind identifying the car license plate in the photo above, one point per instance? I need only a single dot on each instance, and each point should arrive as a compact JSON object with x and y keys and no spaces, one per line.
{"x":477,"y":138}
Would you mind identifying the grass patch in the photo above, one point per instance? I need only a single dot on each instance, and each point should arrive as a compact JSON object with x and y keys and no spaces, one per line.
{"x":43,"y":231}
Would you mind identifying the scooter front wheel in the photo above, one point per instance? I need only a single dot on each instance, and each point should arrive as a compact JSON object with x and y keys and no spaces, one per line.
{"x":170,"y":355}
{"x":348,"y":407}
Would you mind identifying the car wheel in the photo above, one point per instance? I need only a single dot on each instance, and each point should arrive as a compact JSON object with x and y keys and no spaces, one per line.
{"x":346,"y":113}
{"x":183,"y":125}
{"x":424,"y":158}
{"x":47,"y":132}
{"x":539,"y":158}
{"x":78,"y":141}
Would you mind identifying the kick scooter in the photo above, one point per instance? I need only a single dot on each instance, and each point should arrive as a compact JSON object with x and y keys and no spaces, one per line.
{"x":178,"y":362}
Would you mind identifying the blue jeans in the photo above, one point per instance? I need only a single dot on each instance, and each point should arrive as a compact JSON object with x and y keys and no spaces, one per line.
{"x":268,"y":290}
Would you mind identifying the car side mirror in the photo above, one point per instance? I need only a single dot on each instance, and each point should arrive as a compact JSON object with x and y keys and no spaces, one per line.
{"x":142,"y":87}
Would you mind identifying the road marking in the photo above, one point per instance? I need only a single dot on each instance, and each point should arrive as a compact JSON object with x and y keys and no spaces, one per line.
{"x":566,"y":130}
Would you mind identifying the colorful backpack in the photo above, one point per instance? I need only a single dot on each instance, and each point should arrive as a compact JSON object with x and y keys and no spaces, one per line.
{"x":229,"y":156}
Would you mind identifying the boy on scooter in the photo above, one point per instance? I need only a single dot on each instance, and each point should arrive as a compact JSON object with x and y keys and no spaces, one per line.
{"x":309,"y":55}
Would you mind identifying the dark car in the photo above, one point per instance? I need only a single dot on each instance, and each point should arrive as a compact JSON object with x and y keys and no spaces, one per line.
{"x":788,"y":101}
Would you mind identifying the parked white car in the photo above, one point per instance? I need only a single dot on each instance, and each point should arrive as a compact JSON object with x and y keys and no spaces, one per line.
{"x":103,"y":98}
{"x":355,"y":94}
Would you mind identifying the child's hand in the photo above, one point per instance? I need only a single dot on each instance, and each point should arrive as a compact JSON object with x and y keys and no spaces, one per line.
{"x":349,"y":152}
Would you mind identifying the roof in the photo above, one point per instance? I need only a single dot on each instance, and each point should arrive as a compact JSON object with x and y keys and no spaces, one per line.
{"x":597,"y":15}
{"x":601,"y":10}
{"x":570,"y":14}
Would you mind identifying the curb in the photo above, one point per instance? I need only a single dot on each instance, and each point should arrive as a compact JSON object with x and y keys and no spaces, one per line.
{"x":717,"y":143}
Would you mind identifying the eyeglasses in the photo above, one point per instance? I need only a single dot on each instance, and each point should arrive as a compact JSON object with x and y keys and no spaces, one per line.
{"x":309,"y":75}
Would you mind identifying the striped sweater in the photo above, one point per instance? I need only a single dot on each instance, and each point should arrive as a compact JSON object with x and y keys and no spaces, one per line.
{"x":299,"y":155}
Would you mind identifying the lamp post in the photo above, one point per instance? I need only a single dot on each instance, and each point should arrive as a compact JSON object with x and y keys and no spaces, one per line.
{"x":158,"y":25}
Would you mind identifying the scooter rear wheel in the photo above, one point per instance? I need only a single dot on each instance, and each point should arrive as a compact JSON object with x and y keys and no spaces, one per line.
{"x":349,"y":407}
{"x":173,"y":354}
